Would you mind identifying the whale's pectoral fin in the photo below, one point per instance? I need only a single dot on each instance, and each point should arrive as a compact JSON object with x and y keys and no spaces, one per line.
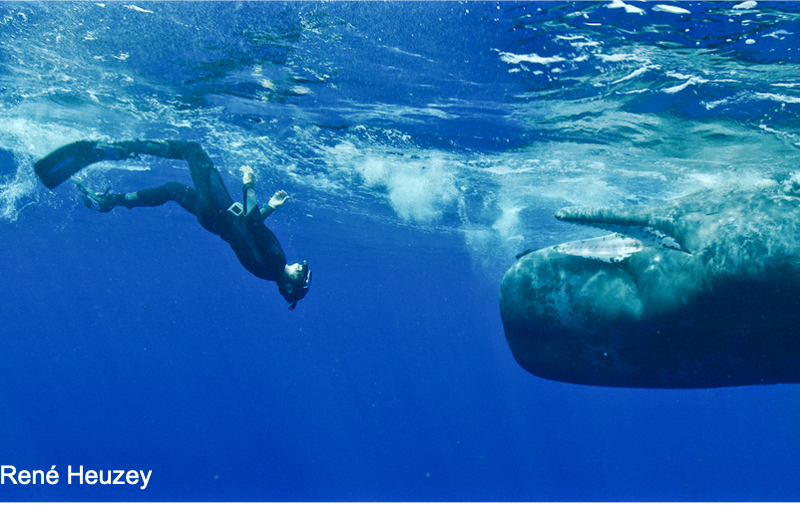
{"x":523,"y":253}
{"x":636,"y":223}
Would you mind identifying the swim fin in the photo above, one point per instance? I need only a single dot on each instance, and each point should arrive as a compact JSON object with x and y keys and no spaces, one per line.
{"x":62,"y":163}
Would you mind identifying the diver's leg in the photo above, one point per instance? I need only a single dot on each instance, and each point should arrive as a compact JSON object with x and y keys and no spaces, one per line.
{"x":207,"y":180}
{"x":185,"y":196}
{"x":179,"y":150}
{"x":210,"y":199}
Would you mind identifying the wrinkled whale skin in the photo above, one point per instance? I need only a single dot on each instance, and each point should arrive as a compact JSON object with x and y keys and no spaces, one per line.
{"x":727,"y":313}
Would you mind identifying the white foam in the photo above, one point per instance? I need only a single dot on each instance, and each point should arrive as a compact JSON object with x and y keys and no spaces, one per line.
{"x":418,"y":193}
{"x":786,"y":99}
{"x":691,"y":82}
{"x":418,"y":188}
{"x":636,"y":73}
{"x":138,"y":9}
{"x":614,"y":58}
{"x":630,"y":9}
{"x":670,"y":9}
{"x":529,"y":58}
{"x":27,"y":140}
{"x":13,"y":193}
{"x":508,"y":222}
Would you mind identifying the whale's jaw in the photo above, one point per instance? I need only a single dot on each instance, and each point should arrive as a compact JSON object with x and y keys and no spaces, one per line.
{"x":639,"y":224}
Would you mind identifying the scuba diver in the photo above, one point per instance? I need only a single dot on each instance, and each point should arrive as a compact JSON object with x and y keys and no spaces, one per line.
{"x":239,"y":224}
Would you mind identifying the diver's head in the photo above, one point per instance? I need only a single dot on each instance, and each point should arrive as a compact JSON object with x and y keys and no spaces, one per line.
{"x":295,"y":282}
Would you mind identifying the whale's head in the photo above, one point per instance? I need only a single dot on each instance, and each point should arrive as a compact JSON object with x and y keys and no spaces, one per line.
{"x":640,"y":269}
{"x":657,"y":297}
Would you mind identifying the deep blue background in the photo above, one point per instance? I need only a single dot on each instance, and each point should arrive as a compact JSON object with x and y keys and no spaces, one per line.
{"x":135,"y":340}
{"x":392,"y":381}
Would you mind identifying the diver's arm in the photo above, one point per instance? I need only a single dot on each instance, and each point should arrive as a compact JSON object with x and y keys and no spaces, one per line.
{"x":275,"y":202}
{"x":249,"y":198}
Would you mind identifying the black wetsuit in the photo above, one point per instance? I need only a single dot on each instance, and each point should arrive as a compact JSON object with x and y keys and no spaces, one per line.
{"x":255,"y":245}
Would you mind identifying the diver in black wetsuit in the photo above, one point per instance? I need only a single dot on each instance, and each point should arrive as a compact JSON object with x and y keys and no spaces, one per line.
{"x":241,"y":226}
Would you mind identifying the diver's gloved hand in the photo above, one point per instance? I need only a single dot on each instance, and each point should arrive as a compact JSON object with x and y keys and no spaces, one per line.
{"x":247,"y":174}
{"x":92,"y":200}
{"x":278,"y":199}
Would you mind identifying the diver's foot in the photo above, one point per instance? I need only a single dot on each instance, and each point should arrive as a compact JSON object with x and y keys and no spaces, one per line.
{"x":92,"y":200}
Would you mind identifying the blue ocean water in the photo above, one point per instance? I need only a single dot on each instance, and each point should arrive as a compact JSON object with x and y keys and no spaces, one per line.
{"x":423,"y":145}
